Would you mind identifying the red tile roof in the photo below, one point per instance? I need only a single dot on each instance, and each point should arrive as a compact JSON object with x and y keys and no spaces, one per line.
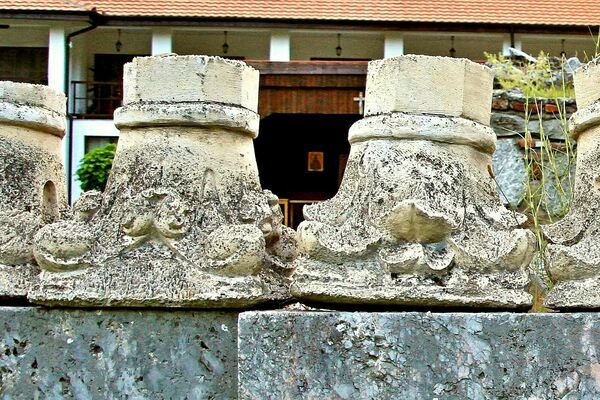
{"x":530,"y":12}
{"x":41,"y":5}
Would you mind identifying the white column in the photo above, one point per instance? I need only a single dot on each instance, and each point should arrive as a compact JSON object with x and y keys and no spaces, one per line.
{"x":57,"y":63}
{"x":162,"y":41}
{"x":280,"y":46}
{"x":393,"y":44}
{"x":506,"y":44}
{"x":57,"y":59}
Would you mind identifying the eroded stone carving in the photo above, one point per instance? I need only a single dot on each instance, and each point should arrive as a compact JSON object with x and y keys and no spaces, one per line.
{"x":183,"y":220}
{"x":32,"y":177}
{"x":417,"y":219}
{"x":574,"y":253}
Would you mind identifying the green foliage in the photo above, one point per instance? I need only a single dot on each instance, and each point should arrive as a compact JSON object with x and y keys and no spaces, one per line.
{"x":532,"y":78}
{"x":95,"y":166}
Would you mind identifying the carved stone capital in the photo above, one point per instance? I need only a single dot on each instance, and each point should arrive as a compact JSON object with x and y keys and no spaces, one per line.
{"x":183,"y":221}
{"x":417,"y":219}
{"x":32,"y":183}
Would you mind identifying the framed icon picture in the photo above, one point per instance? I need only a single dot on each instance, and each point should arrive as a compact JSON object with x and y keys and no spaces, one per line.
{"x":315,"y":161}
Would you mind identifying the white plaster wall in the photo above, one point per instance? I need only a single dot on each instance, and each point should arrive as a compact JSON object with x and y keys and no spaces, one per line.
{"x":306,"y":45}
{"x":471,"y":46}
{"x":253,"y":45}
{"x":582,"y":46}
{"x":102,"y":41}
{"x":78,"y":68}
{"x":24,"y":36}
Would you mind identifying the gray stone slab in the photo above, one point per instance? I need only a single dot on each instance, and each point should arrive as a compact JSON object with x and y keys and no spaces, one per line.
{"x":510,"y":171}
{"x":344,"y":355}
{"x":117,"y":354}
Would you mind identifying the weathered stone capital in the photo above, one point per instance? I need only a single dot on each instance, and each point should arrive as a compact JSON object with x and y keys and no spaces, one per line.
{"x":32,"y":182}
{"x":32,"y":106}
{"x":183,"y":221}
{"x":188,"y":114}
{"x":451,"y":130}
{"x":417,"y":221}
{"x":573,"y":254}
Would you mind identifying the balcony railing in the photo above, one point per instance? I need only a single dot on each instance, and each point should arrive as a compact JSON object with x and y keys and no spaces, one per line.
{"x":95,"y":99}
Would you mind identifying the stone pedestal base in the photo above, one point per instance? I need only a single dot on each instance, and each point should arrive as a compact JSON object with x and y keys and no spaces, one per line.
{"x":343,"y":355}
{"x":150,"y":354}
{"x":112,"y":354}
{"x":365,"y":285}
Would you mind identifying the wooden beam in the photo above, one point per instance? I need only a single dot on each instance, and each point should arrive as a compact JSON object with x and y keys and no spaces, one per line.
{"x":310,"y":67}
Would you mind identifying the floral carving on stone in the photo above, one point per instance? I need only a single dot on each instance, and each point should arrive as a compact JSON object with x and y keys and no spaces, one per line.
{"x":183,"y":221}
{"x":417,"y":219}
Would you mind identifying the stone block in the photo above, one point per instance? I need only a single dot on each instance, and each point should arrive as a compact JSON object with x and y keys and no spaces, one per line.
{"x":507,"y":124}
{"x":183,"y":221}
{"x":377,"y":355}
{"x":117,"y":354}
{"x":32,"y":182}
{"x":446,"y":86}
{"x":169,"y":78}
{"x":417,"y":219}
{"x":552,"y":128}
{"x":34,"y":106}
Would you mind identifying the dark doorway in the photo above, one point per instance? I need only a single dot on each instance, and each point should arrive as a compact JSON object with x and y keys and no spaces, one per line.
{"x":301,"y":157}
{"x":109,"y":67}
{"x":108,"y":82}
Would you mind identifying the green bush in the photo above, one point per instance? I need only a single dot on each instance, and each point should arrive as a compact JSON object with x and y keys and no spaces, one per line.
{"x":95,"y":167}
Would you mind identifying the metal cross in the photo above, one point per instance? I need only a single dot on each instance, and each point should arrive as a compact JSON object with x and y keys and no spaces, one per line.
{"x":361,"y":102}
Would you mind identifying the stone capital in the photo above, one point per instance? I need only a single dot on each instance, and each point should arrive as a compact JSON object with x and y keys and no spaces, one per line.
{"x":573,"y":253}
{"x":183,"y":221}
{"x":417,"y":219}
{"x":32,"y":190}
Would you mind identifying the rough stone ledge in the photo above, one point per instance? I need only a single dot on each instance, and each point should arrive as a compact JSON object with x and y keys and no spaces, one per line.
{"x":442,"y":129}
{"x":136,"y":115}
{"x":117,"y":354}
{"x":345,"y":355}
{"x":33,"y":117}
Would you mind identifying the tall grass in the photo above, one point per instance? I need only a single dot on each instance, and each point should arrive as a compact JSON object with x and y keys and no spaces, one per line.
{"x":548,"y":190}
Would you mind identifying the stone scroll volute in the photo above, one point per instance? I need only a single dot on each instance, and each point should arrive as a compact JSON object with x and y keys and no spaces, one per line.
{"x":417,"y":220}
{"x":32,"y":177}
{"x":183,"y":221}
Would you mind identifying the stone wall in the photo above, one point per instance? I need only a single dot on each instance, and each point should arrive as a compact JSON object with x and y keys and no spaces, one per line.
{"x":511,"y":123}
{"x":153,"y":354}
